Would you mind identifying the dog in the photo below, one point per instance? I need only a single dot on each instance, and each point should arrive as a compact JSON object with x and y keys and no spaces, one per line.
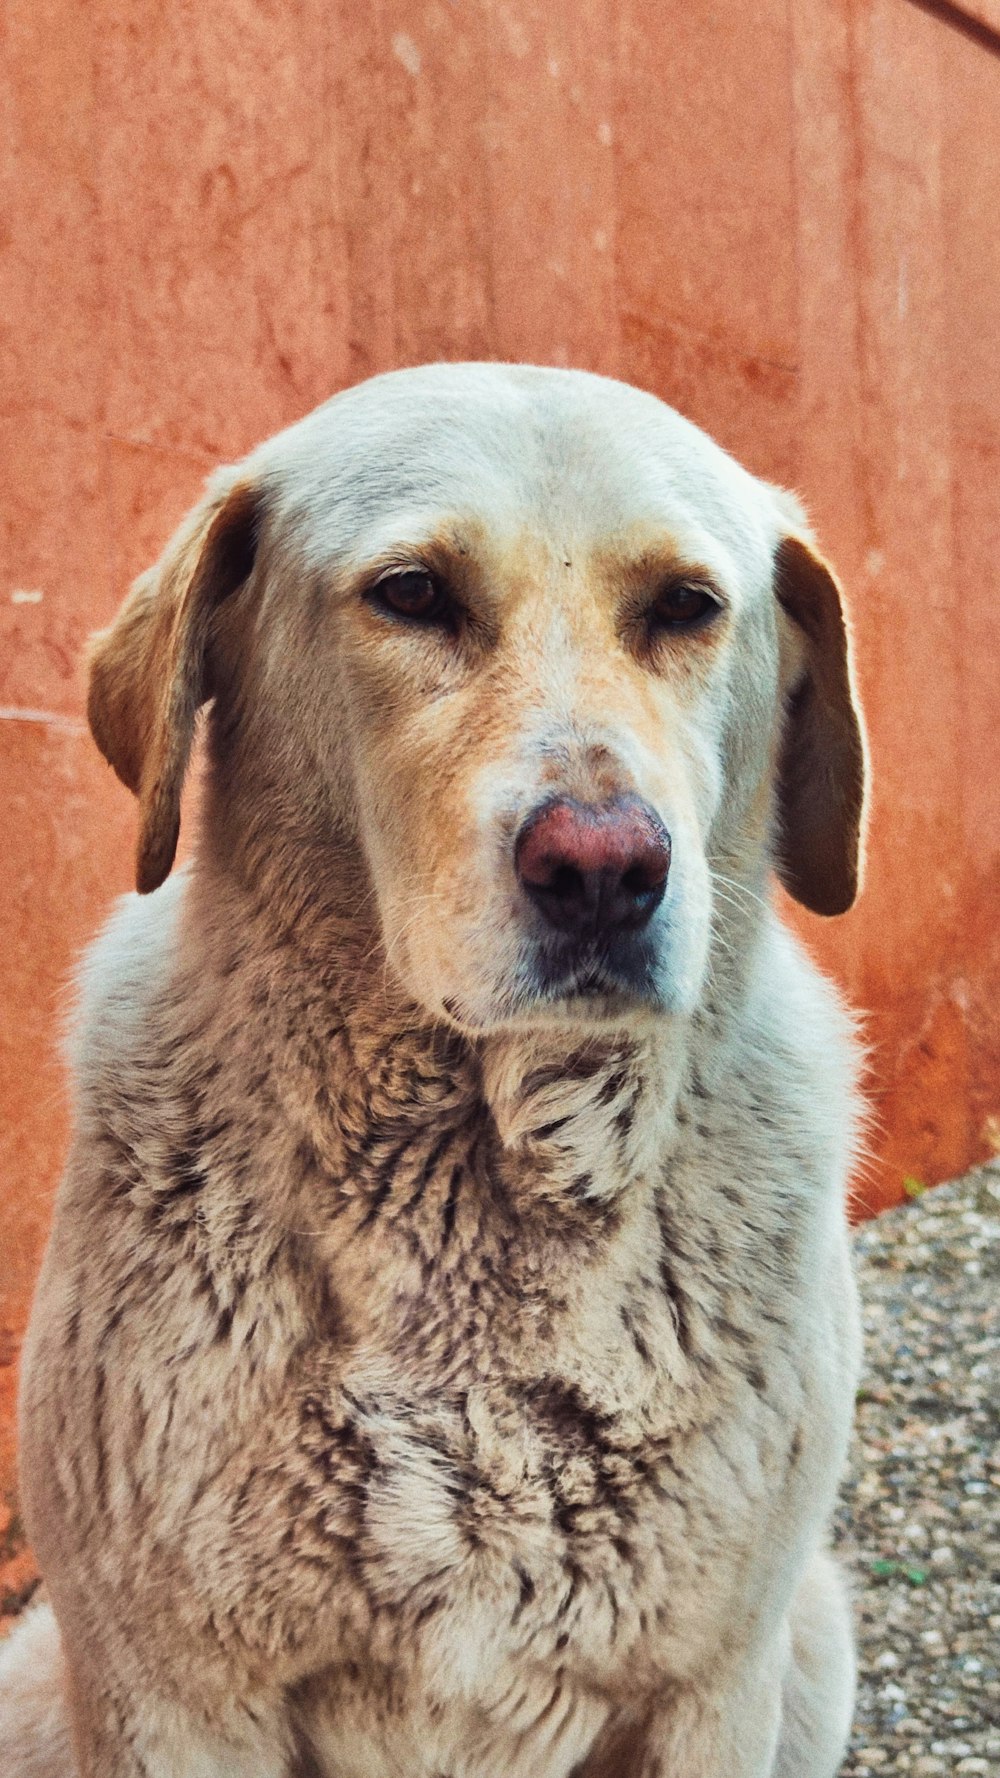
{"x":444,"y":1355}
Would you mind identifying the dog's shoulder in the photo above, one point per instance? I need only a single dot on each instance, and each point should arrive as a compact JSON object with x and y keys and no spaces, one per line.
{"x":752,"y":1202}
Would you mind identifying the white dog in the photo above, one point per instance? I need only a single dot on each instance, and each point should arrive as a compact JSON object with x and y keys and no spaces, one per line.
{"x":443,"y":1361}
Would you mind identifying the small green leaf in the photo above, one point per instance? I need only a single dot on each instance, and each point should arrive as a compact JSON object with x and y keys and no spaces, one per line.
{"x":914,"y":1188}
{"x":884,"y":1568}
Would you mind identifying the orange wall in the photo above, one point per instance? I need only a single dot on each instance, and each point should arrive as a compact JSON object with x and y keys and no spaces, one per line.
{"x":213,"y":216}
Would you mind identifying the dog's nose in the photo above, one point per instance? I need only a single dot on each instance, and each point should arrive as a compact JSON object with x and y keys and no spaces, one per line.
{"x":594,"y":870}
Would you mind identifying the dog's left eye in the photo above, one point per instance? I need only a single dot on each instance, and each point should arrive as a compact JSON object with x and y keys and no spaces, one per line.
{"x":412,"y":593}
{"x":684,"y":605}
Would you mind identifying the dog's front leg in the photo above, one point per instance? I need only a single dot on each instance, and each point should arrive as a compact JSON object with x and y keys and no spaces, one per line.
{"x":135,"y":1736}
{"x":732,"y":1736}
{"x":728,"y":1727}
{"x":786,"y":1717}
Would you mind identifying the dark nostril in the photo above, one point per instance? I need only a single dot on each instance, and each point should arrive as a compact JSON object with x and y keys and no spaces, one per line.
{"x":594,"y":869}
{"x":641,"y":878}
{"x":565,"y":880}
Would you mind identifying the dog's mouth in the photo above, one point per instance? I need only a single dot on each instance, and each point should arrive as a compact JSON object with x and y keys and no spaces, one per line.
{"x":623,"y":968}
{"x":597,"y":982}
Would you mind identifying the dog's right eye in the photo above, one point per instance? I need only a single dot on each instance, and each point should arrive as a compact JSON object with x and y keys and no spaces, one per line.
{"x":413,"y":593}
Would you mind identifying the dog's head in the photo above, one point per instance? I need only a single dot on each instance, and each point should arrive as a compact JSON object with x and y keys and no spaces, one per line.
{"x":532,"y":655}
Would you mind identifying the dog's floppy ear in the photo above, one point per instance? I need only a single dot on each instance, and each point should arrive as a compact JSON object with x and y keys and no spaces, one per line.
{"x":822,"y":765}
{"x":148,"y":673}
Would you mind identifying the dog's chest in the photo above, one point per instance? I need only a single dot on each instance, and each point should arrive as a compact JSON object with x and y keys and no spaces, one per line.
{"x":557,"y":1441}
{"x":523,"y":1558}
{"x":562,"y":1508}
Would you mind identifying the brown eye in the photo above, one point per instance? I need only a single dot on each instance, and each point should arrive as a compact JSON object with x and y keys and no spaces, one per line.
{"x":684,"y":605}
{"x":412,"y":593}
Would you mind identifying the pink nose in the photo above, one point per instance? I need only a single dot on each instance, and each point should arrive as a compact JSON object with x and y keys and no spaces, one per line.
{"x":594,"y":869}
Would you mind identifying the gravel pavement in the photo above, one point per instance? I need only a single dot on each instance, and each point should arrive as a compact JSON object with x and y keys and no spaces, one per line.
{"x":920,"y":1516}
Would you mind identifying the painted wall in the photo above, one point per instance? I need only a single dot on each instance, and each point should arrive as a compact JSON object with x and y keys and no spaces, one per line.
{"x":214,"y":216}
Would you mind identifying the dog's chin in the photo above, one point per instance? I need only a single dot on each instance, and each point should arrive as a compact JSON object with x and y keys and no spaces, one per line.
{"x":587,"y":991}
{"x":608,"y":1010}
{"x":592,"y":1006}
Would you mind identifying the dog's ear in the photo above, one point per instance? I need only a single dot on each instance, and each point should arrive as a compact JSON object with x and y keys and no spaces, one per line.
{"x":822,"y":765}
{"x":148,"y":672}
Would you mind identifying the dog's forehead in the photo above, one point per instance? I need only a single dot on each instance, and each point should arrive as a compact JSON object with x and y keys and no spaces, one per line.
{"x":580,"y":459}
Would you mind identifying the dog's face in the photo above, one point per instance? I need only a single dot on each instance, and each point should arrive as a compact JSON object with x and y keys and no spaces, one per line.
{"x":527,"y":636}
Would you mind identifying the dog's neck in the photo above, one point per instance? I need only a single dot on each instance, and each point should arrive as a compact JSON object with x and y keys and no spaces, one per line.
{"x":569,"y":1118}
{"x":570,"y":1115}
{"x":584,"y":1114}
